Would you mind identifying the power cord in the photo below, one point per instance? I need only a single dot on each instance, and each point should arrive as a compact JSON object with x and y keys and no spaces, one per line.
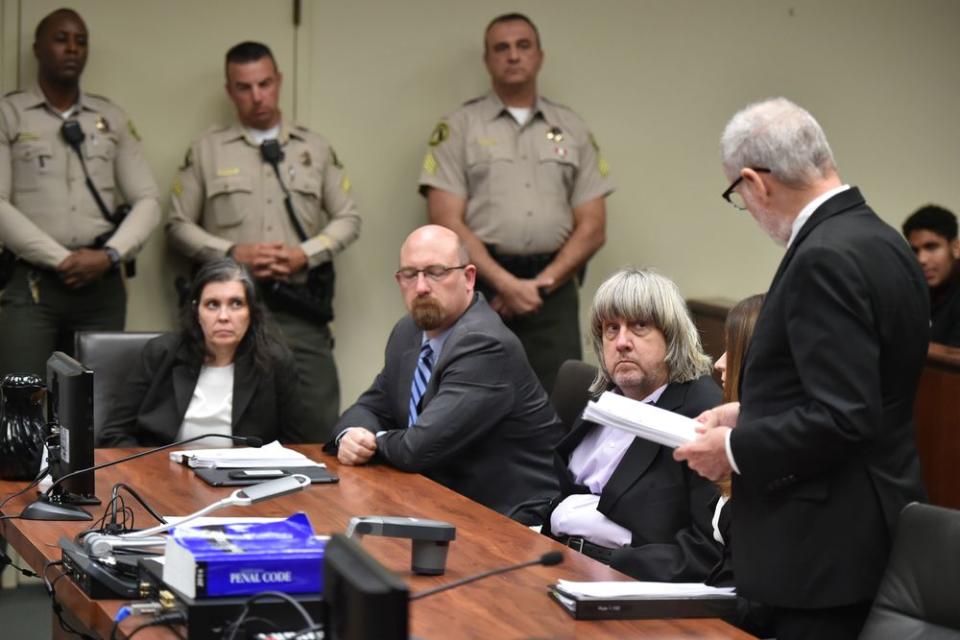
{"x":5,"y":560}
{"x":163,"y":620}
{"x":57,"y":607}
{"x":234,"y":627}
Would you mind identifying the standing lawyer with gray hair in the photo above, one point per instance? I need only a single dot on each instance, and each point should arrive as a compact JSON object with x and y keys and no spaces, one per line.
{"x":821,"y":445}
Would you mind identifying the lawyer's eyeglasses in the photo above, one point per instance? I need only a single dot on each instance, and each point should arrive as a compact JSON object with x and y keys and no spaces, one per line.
{"x":435,"y":272}
{"x":734,"y":197}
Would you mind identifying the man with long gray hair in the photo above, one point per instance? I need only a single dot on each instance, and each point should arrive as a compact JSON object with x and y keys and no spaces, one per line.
{"x":624,"y":500}
{"x":821,"y":445}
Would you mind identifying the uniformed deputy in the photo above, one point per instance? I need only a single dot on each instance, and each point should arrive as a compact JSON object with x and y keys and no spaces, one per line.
{"x":521,"y":180}
{"x":228,"y":200}
{"x":66,"y":277}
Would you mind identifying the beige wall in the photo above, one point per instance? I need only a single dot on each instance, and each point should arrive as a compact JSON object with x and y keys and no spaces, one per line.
{"x":656,"y":80}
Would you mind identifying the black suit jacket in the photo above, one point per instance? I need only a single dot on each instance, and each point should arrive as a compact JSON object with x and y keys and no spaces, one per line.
{"x":825,"y":438}
{"x":667,"y":507}
{"x":486,"y":428}
{"x":151,"y":410}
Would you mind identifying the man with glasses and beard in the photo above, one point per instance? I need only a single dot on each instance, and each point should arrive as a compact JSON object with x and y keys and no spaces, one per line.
{"x":456,"y":399}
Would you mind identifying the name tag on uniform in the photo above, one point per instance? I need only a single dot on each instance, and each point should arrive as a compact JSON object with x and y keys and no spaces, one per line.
{"x":232,"y":171}
{"x":486,"y":142}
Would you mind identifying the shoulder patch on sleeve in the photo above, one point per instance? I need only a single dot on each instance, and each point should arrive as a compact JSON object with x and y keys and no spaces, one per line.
{"x":334,"y":159}
{"x":440,"y":133}
{"x":133,"y":130}
{"x":177,"y":188}
{"x":430,"y":163}
{"x":602,"y":165}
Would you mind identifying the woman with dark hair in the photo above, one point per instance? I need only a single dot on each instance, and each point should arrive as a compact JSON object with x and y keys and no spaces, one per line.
{"x":736,"y":336}
{"x":224,"y":372}
{"x":738,"y":330}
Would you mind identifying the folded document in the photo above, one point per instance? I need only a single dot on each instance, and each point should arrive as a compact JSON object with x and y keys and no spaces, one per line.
{"x":642,"y":420}
{"x":266,"y":457}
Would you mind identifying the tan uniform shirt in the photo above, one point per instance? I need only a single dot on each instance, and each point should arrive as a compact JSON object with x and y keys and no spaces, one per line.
{"x":521,"y":183}
{"x":225,"y":194}
{"x":46,"y":209}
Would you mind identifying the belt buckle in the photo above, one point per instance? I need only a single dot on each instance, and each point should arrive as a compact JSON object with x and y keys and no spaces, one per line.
{"x":572,"y":543}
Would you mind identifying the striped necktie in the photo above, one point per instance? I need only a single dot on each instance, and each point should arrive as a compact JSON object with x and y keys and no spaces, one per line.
{"x":420,"y":379}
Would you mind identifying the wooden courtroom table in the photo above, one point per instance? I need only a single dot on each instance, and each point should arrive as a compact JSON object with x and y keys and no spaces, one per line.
{"x":515,"y":605}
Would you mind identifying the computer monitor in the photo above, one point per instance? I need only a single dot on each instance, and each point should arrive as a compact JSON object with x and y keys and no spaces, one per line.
{"x":362,"y":599}
{"x":70,"y":407}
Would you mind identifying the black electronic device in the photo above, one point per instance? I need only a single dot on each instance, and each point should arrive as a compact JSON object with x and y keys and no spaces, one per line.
{"x":49,"y":505}
{"x":70,"y":416}
{"x":244,"y":477}
{"x":113,"y":578}
{"x":354,"y":586}
{"x":430,"y":538}
{"x":209,"y":618}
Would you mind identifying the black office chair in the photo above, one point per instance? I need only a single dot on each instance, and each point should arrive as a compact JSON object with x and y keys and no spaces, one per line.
{"x":570,"y":391}
{"x":112,"y":355}
{"x":918,"y":596}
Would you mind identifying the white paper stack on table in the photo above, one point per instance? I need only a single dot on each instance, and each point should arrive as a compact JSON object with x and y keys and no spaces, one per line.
{"x":635,"y":590}
{"x":269,"y":456}
{"x":642,"y":420}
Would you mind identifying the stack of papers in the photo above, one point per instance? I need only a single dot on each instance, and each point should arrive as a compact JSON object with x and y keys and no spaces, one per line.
{"x":268,"y":456}
{"x":642,"y":420}
{"x":641,"y":590}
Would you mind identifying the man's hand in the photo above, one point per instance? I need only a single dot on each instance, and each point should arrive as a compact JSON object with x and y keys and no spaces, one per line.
{"x":707,"y":455}
{"x":520,"y":297}
{"x":725,"y":415}
{"x":259,"y":256}
{"x":289,"y":260}
{"x":83,"y":267}
{"x":356,"y":446}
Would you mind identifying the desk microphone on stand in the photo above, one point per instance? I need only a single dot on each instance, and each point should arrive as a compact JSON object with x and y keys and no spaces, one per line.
{"x":547,"y":560}
{"x":51,"y":506}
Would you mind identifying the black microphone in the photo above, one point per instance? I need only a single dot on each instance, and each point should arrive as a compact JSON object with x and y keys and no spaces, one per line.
{"x":48,"y":508}
{"x":271,"y":151}
{"x":73,"y":134}
{"x":547,"y":560}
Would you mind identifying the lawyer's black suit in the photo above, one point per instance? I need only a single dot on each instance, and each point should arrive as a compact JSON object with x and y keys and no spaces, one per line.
{"x":486,"y":428}
{"x":151,"y":409}
{"x":667,"y":507}
{"x":825,"y":438}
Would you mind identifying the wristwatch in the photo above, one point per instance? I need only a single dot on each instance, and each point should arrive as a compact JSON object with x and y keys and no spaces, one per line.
{"x":113,"y":254}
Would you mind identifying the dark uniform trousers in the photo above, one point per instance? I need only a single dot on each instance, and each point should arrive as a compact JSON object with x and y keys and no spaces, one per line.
{"x":32,"y":330}
{"x":552,"y":335}
{"x":312,"y":347}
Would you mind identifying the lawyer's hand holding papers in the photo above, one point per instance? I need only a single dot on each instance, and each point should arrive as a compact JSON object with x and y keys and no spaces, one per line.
{"x":707,"y":455}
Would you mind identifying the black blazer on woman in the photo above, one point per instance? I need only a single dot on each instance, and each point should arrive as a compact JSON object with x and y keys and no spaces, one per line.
{"x":150,"y":412}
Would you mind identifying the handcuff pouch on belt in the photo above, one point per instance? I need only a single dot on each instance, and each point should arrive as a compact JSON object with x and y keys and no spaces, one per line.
{"x":75,"y":136}
{"x":313,"y":300}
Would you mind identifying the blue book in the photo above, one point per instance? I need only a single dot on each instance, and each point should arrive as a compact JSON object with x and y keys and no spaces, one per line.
{"x":244,"y":559}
